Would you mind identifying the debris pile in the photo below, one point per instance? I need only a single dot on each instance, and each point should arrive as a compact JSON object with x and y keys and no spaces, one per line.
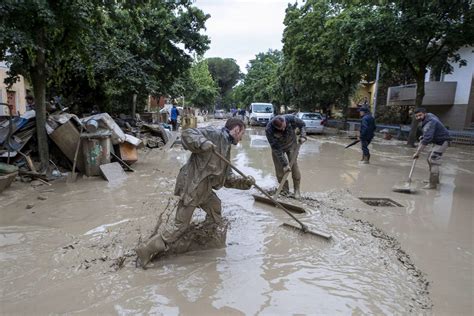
{"x":75,"y":144}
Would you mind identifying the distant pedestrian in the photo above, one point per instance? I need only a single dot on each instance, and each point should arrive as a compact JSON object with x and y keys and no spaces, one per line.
{"x":434,"y":132}
{"x":174,"y":117}
{"x":242,"y":114}
{"x":367,"y":130}
{"x":281,"y":134}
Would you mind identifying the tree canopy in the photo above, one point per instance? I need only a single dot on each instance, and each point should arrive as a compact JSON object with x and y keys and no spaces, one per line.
{"x":261,"y":83}
{"x":414,"y":34}
{"x":101,"y":52}
{"x":225,"y":72}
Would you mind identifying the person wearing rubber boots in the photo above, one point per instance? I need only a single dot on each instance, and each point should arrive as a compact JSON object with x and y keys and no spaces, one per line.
{"x":366,"y":133}
{"x":434,"y":133}
{"x":203,"y":173}
{"x":281,"y":134}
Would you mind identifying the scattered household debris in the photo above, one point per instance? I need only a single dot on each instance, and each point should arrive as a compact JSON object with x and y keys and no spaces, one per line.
{"x":113,"y":172}
{"x":78,"y":144}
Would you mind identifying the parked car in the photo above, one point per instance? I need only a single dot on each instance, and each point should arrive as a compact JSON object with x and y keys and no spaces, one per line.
{"x":219,"y":114}
{"x":314,"y":122}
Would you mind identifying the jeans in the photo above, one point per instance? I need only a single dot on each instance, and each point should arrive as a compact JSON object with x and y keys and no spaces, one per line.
{"x":364,"y":144}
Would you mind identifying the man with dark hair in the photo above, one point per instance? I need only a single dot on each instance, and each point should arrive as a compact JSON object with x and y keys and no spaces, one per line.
{"x":434,"y":133}
{"x":203,"y":173}
{"x":281,"y":134}
{"x":366,"y":133}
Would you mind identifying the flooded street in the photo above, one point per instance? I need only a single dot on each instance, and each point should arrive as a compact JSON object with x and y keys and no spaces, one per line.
{"x":73,"y":251}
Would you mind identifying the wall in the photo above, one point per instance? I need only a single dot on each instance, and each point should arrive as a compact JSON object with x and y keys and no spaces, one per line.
{"x":461,"y":114}
{"x":18,"y":87}
{"x":463,"y":75}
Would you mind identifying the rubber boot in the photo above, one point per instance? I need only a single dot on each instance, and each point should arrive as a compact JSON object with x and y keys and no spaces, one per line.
{"x":434,"y":178}
{"x":297,"y":190}
{"x":153,"y":247}
{"x":365,"y":160}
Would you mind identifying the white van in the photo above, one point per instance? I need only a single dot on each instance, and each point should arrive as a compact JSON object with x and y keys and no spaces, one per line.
{"x":260,"y":113}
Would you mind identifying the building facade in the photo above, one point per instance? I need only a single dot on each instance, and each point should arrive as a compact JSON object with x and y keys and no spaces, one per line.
{"x":451,"y":98}
{"x":14,"y":95}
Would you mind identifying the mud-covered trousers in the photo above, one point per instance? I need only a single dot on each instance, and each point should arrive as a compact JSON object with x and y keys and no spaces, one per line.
{"x":435,"y":158}
{"x":295,"y":170}
{"x":178,"y":225}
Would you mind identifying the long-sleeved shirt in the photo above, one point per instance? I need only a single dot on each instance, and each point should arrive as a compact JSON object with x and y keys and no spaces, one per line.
{"x":367,"y":127}
{"x":281,"y":141}
{"x":433,"y":130}
{"x":174,"y":113}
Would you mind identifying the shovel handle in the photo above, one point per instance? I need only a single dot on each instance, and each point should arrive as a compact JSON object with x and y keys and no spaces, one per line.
{"x":285,"y":176}
{"x":304,"y":228}
{"x":412,"y":168}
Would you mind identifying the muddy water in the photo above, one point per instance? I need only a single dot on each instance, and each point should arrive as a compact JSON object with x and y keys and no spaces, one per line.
{"x":72,"y":253}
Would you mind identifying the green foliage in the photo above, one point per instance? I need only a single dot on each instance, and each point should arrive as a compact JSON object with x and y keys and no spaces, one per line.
{"x":413,"y":34}
{"x":202,"y":91}
{"x":318,"y":68}
{"x":121,"y":49}
{"x":225,"y":72}
{"x":261,"y":83}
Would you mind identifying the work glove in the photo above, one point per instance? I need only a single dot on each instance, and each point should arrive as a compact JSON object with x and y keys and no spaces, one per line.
{"x":250,"y":181}
{"x":302,"y":139}
{"x":208,"y":146}
{"x":416,"y":155}
{"x":286,"y":169}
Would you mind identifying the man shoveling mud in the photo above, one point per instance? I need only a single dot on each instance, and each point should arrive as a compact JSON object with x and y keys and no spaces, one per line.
{"x":203,"y":172}
{"x":281,"y":134}
{"x":434,"y":133}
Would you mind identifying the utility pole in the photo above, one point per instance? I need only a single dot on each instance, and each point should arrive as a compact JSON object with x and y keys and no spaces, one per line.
{"x":376,"y":88}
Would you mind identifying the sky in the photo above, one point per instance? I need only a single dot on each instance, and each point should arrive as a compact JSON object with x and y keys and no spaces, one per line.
{"x":240,"y":29}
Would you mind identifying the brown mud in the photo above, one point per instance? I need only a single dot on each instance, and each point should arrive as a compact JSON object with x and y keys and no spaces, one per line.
{"x":73,"y":252}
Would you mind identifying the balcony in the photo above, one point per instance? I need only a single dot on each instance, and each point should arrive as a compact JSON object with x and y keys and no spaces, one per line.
{"x":436,"y":93}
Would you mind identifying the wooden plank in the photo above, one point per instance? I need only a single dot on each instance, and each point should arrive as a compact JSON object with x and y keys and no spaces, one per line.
{"x":290,"y":207}
{"x":113,"y":172}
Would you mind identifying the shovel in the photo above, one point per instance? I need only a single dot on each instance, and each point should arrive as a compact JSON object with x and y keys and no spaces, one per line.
{"x":406,"y":187}
{"x":285,"y":176}
{"x":302,"y":227}
{"x":73,"y":175}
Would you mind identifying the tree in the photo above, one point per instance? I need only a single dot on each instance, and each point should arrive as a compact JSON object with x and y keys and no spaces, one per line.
{"x":32,"y":34}
{"x":260,"y":84}
{"x":145,"y":49}
{"x":225,"y":72}
{"x":411,"y":33}
{"x":202,"y":91}
{"x":110,"y":50}
{"x":318,"y":69}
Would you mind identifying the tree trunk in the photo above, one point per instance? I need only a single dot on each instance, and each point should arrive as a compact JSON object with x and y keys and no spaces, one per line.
{"x":38,"y":77}
{"x":134,"y":105}
{"x":420,"y":94}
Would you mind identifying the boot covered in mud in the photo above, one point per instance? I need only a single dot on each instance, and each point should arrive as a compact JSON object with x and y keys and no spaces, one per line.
{"x":433,"y":182}
{"x":146,"y":252}
{"x":297,"y":190}
{"x":365,"y":159}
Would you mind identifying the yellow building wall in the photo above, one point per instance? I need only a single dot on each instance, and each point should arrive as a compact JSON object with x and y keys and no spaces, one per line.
{"x":20,"y":93}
